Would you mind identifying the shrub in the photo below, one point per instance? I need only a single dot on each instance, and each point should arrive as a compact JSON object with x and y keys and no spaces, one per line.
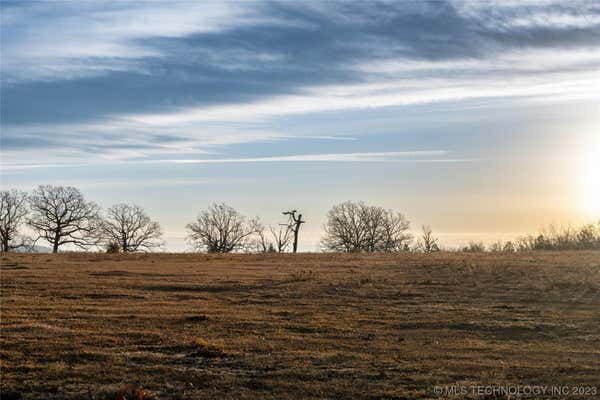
{"x":113,"y":247}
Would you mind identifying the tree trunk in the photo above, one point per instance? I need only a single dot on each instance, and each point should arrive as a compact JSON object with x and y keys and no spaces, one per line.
{"x":296,"y":229}
{"x":56,"y":243}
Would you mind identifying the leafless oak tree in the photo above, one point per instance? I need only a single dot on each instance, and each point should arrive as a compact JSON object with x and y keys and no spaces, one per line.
{"x":222,"y":229}
{"x":358,"y":227}
{"x":428,"y":243}
{"x":13,"y":209}
{"x":131,"y":228}
{"x":61,"y":215}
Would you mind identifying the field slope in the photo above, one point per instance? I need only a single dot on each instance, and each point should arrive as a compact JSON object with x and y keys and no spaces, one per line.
{"x":296,"y":327}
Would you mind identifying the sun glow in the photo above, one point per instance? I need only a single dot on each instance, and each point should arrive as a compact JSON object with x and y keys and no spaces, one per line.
{"x":591,"y":180}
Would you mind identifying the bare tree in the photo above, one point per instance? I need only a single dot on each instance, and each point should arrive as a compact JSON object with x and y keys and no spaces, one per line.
{"x":13,"y":209}
{"x":394,"y":227}
{"x":131,"y":228}
{"x":281,"y":237}
{"x":260,"y":242}
{"x":61,"y":215}
{"x":428,"y":243}
{"x":222,"y":229}
{"x":358,"y":227}
{"x":294,"y":226}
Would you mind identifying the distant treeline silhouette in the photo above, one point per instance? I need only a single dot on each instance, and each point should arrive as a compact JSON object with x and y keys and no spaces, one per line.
{"x":60,"y":215}
{"x":586,"y":237}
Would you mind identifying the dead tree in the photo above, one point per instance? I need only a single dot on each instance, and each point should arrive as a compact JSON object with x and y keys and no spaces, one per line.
{"x":295,"y":222}
{"x":13,"y":209}
{"x":131,"y":228}
{"x":60,"y":215}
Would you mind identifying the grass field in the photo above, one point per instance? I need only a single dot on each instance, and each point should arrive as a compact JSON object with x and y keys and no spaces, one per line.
{"x":297,"y":327}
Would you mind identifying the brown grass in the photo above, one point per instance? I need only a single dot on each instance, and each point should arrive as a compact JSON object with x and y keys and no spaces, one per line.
{"x":296,"y":327}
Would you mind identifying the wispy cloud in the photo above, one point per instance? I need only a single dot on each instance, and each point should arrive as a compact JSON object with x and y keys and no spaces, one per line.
{"x":49,"y":41}
{"x":122,"y":140}
{"x":141,"y":182}
{"x":510,"y":14}
{"x":150,"y":56}
{"x":391,"y":93}
{"x":406,"y":156}
{"x":424,"y":156}
{"x":156,"y":80}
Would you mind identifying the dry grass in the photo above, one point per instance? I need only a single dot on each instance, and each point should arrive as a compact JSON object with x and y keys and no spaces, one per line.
{"x":295,"y":327}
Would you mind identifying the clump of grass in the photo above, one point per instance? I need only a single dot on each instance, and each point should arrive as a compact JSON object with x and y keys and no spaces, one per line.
{"x":196,"y":318}
{"x":205,"y":349}
{"x":302,"y":275}
{"x":130,"y":392}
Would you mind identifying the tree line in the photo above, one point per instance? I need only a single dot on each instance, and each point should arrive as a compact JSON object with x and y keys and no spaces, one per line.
{"x":586,"y":237}
{"x":60,"y":215}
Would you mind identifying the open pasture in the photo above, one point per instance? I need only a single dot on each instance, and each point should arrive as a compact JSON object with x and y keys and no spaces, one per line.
{"x":337,"y":326}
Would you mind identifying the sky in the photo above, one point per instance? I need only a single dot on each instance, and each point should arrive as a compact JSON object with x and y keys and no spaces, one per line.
{"x":480,"y":119}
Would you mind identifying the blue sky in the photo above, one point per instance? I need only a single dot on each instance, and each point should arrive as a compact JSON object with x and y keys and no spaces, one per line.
{"x":478,"y":118}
